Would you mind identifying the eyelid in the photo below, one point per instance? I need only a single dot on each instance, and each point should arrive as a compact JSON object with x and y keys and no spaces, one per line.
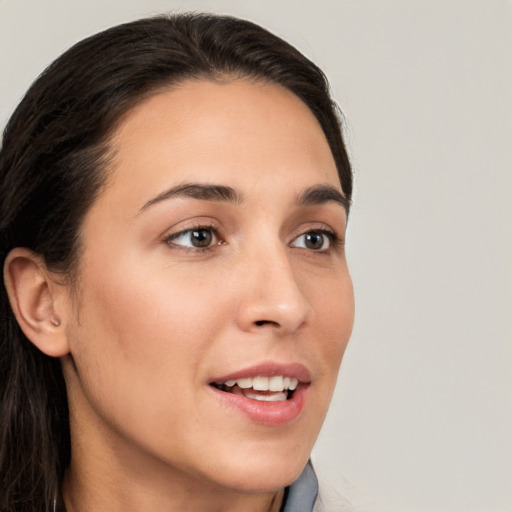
{"x":318,"y":227}
{"x":331,"y":237}
{"x":336,"y":238}
{"x":193,"y":225}
{"x":181,"y":234}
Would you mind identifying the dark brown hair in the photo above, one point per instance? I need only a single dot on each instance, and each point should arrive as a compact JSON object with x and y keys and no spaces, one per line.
{"x":52,"y":165}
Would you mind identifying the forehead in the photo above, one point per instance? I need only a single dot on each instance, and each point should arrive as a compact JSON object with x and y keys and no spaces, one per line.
{"x":235,"y":132}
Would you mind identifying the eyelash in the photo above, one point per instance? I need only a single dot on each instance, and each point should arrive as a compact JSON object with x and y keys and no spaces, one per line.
{"x":334,"y":239}
{"x":200,"y":227}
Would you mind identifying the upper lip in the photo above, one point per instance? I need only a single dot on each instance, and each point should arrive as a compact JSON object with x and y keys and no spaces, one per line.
{"x":268,"y":369}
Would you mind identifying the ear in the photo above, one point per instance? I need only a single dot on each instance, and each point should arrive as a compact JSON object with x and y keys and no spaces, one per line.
{"x":38,"y":301}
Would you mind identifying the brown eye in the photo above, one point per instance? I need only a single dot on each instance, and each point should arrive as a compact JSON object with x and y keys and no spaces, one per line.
{"x":194,"y":238}
{"x":201,"y":237}
{"x":314,"y":241}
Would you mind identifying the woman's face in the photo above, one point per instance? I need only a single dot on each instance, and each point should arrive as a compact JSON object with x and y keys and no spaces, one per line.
{"x":213,"y":268}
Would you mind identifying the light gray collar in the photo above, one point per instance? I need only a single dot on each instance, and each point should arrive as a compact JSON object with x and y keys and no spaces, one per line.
{"x":302,"y":493}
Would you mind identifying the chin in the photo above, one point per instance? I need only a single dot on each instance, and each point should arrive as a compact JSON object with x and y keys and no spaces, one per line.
{"x":266,"y":471}
{"x":264,"y":480}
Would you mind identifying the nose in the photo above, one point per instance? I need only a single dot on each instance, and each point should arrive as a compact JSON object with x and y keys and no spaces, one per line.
{"x":271,"y":294}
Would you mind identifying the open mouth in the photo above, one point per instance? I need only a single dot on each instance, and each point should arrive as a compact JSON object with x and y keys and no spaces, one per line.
{"x":265,"y":389}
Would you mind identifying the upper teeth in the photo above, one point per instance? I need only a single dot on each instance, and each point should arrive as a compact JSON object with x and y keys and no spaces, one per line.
{"x":277,"y":383}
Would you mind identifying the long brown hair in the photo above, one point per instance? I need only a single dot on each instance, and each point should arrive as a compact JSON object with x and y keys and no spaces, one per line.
{"x":52,"y":165}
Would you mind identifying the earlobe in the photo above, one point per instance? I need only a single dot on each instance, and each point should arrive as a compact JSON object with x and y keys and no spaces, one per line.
{"x":35,"y":299}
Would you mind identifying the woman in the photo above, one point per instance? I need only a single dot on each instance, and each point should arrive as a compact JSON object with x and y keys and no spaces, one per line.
{"x":176,"y":300}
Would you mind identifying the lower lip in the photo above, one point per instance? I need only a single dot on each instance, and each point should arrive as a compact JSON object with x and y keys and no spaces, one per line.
{"x":266,"y":413}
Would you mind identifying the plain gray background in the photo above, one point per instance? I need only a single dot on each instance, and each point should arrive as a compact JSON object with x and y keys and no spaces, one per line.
{"x":422,"y":418}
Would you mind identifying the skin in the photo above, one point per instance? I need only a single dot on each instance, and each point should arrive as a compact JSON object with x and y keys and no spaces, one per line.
{"x":154,"y":319}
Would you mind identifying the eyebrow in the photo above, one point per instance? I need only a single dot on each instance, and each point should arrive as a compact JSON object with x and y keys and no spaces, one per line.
{"x":315,"y":195}
{"x":200,"y":191}
{"x":321,"y":194}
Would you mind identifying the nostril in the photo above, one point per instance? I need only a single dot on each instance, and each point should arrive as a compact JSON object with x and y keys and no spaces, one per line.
{"x":261,"y":323}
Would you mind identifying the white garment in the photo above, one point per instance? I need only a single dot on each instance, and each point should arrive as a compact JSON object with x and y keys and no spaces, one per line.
{"x":344,"y":498}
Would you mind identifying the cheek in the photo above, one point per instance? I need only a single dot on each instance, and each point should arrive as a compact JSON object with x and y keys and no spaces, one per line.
{"x":139,"y":338}
{"x":333,"y":306}
{"x":138,"y":309}
{"x":334,"y":318}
